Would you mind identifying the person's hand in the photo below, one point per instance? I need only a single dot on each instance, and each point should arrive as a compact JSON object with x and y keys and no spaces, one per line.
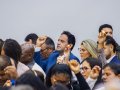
{"x":60,"y":59}
{"x":11,"y":71}
{"x":7,"y":83}
{"x":64,"y":59}
{"x":74,"y":66}
{"x":40,"y":41}
{"x":101,"y":39}
{"x":95,"y":72}
{"x":67,"y":53}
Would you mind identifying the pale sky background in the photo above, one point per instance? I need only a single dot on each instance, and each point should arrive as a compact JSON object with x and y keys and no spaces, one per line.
{"x":50,"y":17}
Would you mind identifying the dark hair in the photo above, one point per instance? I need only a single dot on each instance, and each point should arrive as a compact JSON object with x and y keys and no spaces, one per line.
{"x":57,"y":69}
{"x":12,"y":49}
{"x":105,"y":26}
{"x":39,"y":74}
{"x":71,"y":38}
{"x":114,"y":66}
{"x":59,"y":86}
{"x":1,"y":44}
{"x":50,"y":43}
{"x":110,"y":40}
{"x":32,"y":80}
{"x":4,"y":62}
{"x":93,"y":62}
{"x":31,"y":36}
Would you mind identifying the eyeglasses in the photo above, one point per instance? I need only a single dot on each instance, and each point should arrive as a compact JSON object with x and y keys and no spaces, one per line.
{"x":83,"y":50}
{"x":84,"y":68}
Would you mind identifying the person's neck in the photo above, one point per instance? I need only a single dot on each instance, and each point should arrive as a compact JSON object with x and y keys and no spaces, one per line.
{"x":112,"y":54}
{"x":61,"y":53}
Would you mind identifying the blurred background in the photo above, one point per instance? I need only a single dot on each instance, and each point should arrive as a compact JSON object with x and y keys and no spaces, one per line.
{"x":50,"y":17}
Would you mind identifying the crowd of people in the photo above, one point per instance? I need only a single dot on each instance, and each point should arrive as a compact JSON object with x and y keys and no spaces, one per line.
{"x":38,"y":65}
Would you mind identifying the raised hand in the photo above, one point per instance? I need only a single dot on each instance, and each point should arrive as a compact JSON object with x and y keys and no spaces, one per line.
{"x":74,"y":66}
{"x":41,"y":40}
{"x":101,"y":39}
{"x":95,"y":72}
{"x":11,"y":71}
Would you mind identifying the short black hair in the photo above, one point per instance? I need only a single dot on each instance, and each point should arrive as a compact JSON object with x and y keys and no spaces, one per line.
{"x":114,"y":66}
{"x":12,"y":49}
{"x":71,"y":38}
{"x":57,"y":69}
{"x":1,"y":44}
{"x":93,"y":62}
{"x":50,"y":43}
{"x":32,"y":80}
{"x":110,"y":40}
{"x":31,"y":36}
{"x":105,"y":26}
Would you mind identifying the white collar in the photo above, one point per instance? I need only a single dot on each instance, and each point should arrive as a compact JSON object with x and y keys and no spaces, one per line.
{"x":108,"y":61}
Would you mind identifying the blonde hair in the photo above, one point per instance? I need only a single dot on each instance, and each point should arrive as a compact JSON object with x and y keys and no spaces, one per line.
{"x":91,"y":47}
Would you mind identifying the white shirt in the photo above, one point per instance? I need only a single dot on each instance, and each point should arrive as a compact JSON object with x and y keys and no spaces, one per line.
{"x":108,"y":61}
{"x":91,"y":82}
{"x":38,"y":68}
{"x":21,"y":68}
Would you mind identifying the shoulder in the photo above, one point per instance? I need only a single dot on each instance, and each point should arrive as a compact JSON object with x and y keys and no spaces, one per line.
{"x":72,"y":56}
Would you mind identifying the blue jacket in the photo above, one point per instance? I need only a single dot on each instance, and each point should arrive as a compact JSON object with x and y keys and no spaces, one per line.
{"x":115,"y":60}
{"x":42,"y":62}
{"x":53,"y":57}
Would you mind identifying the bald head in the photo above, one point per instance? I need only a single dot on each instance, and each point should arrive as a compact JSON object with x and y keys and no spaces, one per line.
{"x":27,"y":53}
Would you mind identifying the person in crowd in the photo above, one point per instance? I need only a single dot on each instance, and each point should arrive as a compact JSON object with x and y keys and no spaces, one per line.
{"x":88,"y":48}
{"x":104,"y":30}
{"x":31,"y":38}
{"x":111,"y":73}
{"x":47,"y":46}
{"x":61,"y":73}
{"x":110,"y":46}
{"x":63,"y":50}
{"x":12,"y":49}
{"x":27,"y":57}
{"x":91,"y":69}
{"x":32,"y":80}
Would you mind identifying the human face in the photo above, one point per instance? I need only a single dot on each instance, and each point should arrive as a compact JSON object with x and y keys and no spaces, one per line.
{"x":60,"y":78}
{"x":85,"y":69}
{"x":108,"y":74}
{"x":107,"y":50}
{"x":45,"y":50}
{"x":83,"y":52}
{"x":27,"y":53}
{"x":108,"y":31}
{"x":62,"y":42}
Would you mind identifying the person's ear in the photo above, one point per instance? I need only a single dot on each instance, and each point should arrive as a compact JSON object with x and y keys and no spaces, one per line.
{"x":69,"y":46}
{"x":111,"y":47}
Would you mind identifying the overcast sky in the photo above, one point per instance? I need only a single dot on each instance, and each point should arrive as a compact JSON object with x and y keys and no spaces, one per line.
{"x":50,"y":17}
